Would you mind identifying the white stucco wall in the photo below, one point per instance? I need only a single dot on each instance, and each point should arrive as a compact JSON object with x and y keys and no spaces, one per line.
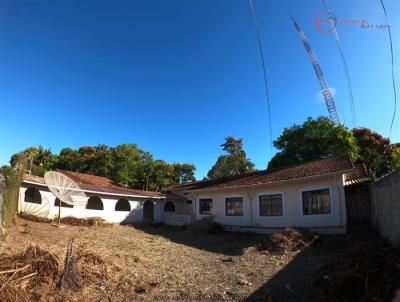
{"x":47,"y":208}
{"x":334,"y":222}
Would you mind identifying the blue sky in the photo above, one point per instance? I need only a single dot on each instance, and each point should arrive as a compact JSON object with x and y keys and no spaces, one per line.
{"x":177,"y":77}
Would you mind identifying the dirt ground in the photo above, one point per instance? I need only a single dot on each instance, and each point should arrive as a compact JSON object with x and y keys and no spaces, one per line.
{"x":170,"y":264}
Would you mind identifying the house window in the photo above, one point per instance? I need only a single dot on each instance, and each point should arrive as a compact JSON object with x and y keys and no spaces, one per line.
{"x":234,"y":206}
{"x":169,"y":207}
{"x":270,"y":205}
{"x":205,"y":206}
{"x":123,"y":205}
{"x":63,"y":204}
{"x":316,"y":202}
{"x":188,"y":201}
{"x":32,"y":195}
{"x":94,"y":203}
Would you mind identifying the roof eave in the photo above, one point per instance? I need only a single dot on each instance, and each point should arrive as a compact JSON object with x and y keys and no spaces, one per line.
{"x":269,"y":183}
{"x":103,"y":193}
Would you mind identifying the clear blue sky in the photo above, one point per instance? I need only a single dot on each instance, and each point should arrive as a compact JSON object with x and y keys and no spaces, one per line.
{"x":177,"y":77}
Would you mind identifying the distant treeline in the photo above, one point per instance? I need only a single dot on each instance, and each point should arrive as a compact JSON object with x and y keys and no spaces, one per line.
{"x":125,"y":164}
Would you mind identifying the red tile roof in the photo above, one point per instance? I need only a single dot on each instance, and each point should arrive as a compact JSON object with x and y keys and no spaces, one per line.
{"x":319,"y":167}
{"x":358,"y":175}
{"x":93,"y":183}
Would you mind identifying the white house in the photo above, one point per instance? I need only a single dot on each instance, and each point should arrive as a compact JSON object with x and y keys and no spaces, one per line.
{"x":310,"y":195}
{"x":104,"y":199}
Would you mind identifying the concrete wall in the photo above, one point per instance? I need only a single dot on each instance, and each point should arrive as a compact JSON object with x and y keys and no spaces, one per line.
{"x":386,"y":206}
{"x":47,"y":208}
{"x":334,"y":222}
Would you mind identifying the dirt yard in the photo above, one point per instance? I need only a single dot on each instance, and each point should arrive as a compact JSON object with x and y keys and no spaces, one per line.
{"x":159,"y":263}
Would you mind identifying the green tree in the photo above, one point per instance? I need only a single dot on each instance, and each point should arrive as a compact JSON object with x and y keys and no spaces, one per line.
{"x":314,"y":139}
{"x":37,"y":160}
{"x":125,"y":164}
{"x":183,"y":172}
{"x":162,"y":176}
{"x":234,"y":163}
{"x":376,"y":151}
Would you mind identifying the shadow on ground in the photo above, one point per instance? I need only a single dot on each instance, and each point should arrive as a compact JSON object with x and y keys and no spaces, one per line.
{"x":229,"y":244}
{"x":295,"y":282}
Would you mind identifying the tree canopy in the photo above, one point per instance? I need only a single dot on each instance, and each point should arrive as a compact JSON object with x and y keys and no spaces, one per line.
{"x":320,"y":138}
{"x":377,"y":152}
{"x":125,"y":164}
{"x":232,"y":164}
{"x":314,"y":139}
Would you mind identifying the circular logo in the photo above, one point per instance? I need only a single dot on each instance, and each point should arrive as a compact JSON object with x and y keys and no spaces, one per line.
{"x":325,"y":21}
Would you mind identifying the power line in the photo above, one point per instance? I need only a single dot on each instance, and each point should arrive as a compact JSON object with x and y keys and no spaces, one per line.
{"x":346,"y":71}
{"x":393,"y":81}
{"x":253,"y":15}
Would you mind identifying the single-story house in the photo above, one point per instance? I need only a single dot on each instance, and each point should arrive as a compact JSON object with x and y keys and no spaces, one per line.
{"x":105,"y":199}
{"x":309,"y":195}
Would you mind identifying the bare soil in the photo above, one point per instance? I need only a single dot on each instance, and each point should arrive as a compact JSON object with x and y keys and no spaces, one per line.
{"x":160,"y":263}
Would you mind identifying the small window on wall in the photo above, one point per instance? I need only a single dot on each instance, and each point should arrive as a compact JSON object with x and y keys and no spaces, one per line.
{"x":316,"y":202}
{"x":234,"y":206}
{"x":205,"y":206}
{"x":271,"y":205}
{"x":32,"y":195}
{"x":63,"y":204}
{"x":169,"y":207}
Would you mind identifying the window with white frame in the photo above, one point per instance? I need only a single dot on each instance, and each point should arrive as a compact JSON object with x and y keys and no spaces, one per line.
{"x":316,"y":202}
{"x":270,"y":205}
{"x":234,"y":206}
{"x":205,"y":206}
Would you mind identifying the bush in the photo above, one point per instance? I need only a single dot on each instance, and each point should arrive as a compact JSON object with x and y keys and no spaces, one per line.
{"x":12,"y":183}
{"x":205,"y":226}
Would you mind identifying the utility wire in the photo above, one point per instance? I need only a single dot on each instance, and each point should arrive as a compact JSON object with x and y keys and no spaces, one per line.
{"x":346,"y":71}
{"x":253,"y":15}
{"x":393,"y":81}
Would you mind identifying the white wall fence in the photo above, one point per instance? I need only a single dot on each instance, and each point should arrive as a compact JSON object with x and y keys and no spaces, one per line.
{"x":386,"y":207}
{"x":177,"y":219}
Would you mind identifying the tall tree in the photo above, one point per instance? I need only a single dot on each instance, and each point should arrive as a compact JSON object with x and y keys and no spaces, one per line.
{"x":125,"y":164}
{"x":376,"y":151}
{"x":234,"y":163}
{"x":183,"y":172}
{"x":314,"y":139}
{"x":37,"y":160}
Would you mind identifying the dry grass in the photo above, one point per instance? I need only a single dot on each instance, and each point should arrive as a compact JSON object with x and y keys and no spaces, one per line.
{"x":366,"y":274}
{"x":160,"y":263}
{"x":151,"y":266}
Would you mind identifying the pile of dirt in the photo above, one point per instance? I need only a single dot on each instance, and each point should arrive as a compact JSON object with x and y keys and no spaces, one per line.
{"x":35,"y":274}
{"x":34,"y":268}
{"x":82,"y":268}
{"x":368,"y":274}
{"x":91,"y":221}
{"x":205,"y":226}
{"x":289,"y":241}
{"x":34,"y":218}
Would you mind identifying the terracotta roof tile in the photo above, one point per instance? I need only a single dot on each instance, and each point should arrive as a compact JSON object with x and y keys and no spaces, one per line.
{"x":88,"y":182}
{"x":358,"y":175}
{"x":309,"y":169}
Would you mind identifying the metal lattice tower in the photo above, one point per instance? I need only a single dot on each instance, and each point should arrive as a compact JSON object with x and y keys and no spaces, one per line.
{"x":330,"y":103}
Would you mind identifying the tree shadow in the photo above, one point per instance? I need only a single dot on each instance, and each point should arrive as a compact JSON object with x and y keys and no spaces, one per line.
{"x":226,"y":243}
{"x":296,"y":281}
